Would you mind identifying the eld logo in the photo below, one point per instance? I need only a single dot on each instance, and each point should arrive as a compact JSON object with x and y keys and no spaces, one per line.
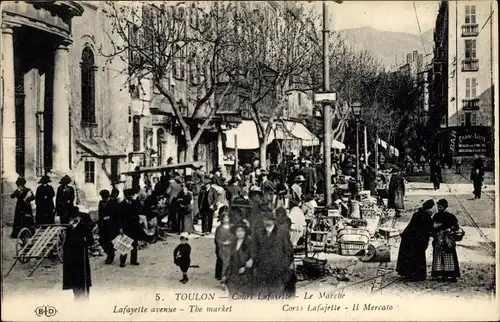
{"x":46,"y":310}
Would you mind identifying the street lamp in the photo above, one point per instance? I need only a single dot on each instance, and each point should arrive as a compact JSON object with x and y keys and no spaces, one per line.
{"x":356,"y":110}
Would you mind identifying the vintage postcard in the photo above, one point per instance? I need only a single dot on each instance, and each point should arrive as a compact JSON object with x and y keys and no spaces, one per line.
{"x":249,"y":160}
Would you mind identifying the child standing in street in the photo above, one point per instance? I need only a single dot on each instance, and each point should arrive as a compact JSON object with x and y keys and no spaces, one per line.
{"x":182,"y":257}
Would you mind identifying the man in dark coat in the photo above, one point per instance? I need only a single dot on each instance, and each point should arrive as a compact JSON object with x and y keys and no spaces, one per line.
{"x":272,"y":254}
{"x":23,"y":215}
{"x":267,"y":187}
{"x":234,"y":190}
{"x":206,"y":205}
{"x":108,"y":224}
{"x":44,"y":200}
{"x":414,"y":242}
{"x":173,"y":190}
{"x":65,"y":199}
{"x":369,"y":180}
{"x":76,"y":265}
{"x":310,"y":176}
{"x":477,"y":178}
{"x":396,"y":192}
{"x":130,"y":225}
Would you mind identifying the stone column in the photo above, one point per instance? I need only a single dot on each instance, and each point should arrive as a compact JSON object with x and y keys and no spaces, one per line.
{"x":9,"y":109}
{"x":60,"y":122}
{"x":30,"y":123}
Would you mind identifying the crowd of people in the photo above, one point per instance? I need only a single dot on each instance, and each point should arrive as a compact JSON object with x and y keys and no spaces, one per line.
{"x":261,"y":213}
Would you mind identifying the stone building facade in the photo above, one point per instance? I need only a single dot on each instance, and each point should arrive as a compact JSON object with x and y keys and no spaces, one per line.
{"x":65,"y":109}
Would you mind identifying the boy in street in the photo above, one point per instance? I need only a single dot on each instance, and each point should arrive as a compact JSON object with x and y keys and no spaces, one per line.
{"x":182,"y":257}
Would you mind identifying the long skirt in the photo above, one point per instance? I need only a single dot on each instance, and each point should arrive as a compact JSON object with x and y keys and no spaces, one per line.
{"x":444,"y":261}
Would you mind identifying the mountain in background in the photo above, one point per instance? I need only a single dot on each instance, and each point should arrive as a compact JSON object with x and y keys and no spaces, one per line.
{"x":388,"y":46}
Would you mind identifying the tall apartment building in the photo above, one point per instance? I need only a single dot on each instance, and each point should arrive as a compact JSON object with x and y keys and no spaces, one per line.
{"x":417,"y":68}
{"x":463,"y":78}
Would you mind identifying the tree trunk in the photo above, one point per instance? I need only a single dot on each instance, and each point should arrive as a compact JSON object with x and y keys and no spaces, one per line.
{"x":190,"y":145}
{"x":263,"y":153}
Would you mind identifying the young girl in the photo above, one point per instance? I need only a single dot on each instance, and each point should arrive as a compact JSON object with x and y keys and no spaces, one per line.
{"x":182,"y":257}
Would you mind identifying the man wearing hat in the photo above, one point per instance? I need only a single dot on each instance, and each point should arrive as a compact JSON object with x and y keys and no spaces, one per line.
{"x":130,"y":224}
{"x":65,"y":199}
{"x":207,"y":205}
{"x":44,"y":200}
{"x":76,"y":264}
{"x":23,"y":215}
{"x":173,"y":191}
{"x":108,"y":225}
{"x":272,"y":254}
{"x":309,"y":174}
{"x":267,"y":187}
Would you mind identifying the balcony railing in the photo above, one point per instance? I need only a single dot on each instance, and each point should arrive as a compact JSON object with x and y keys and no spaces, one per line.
{"x":470,"y":30}
{"x":470,"y":65}
{"x":470,"y":104}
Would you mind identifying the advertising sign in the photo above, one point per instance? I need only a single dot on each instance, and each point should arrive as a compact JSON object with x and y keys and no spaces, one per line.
{"x":472,"y":140}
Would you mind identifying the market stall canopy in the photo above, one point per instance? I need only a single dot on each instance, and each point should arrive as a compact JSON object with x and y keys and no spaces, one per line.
{"x":247,"y":139}
{"x":337,"y":145}
{"x":386,"y":146}
{"x":301,"y":132}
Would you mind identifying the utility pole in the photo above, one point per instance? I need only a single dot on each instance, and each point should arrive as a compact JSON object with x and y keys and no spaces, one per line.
{"x":365,"y":142}
{"x":327,"y":127}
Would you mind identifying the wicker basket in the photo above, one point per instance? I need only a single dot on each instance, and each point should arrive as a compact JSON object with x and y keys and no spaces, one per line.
{"x":351,"y":249}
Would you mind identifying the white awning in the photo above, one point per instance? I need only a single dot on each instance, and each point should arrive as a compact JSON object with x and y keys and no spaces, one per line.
{"x":337,"y":145}
{"x":386,"y":145}
{"x":301,"y":132}
{"x":246,"y":135}
{"x":247,"y":139}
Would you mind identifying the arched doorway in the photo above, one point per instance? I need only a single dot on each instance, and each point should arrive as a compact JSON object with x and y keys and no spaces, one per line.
{"x":161,"y":142}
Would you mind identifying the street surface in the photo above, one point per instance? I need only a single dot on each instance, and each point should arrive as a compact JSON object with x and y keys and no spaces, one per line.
{"x":475,"y":252}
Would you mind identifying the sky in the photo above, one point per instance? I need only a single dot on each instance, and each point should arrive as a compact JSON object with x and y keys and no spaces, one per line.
{"x":398,"y":16}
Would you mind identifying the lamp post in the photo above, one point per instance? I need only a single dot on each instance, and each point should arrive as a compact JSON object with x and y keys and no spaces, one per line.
{"x":356,"y":110}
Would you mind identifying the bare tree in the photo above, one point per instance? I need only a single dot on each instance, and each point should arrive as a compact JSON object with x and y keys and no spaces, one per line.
{"x":349,"y":68}
{"x":187,"y":41}
{"x":274,"y":52}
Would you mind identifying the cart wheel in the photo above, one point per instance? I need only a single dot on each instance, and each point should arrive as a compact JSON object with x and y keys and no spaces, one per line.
{"x":60,"y":245}
{"x":22,"y":239}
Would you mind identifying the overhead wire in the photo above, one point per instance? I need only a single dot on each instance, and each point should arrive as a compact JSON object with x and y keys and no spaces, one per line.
{"x":419,"y":28}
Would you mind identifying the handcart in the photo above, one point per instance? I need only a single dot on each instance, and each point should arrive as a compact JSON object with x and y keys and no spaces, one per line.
{"x":45,"y":241}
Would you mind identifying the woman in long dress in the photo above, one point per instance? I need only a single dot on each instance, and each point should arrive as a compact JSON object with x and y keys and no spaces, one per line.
{"x":396,"y":193}
{"x":444,"y":258}
{"x":223,"y":242}
{"x":239,"y":272}
{"x":23,"y":215}
{"x":414,"y":242}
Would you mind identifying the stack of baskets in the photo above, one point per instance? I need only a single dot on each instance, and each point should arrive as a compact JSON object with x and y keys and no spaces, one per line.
{"x":371,"y":214}
{"x":352,"y":241}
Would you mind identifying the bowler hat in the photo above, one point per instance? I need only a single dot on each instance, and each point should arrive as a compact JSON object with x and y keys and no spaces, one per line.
{"x":20,"y":181}
{"x":75,"y":212}
{"x":44,"y":179}
{"x":104,"y":193}
{"x":443,"y":202}
{"x":128,"y":192}
{"x":428,"y":204}
{"x":65,"y":180}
